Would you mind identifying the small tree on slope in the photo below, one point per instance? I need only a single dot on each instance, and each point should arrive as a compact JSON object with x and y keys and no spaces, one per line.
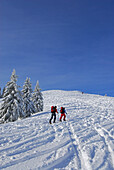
{"x":12,"y":106}
{"x":37,"y":98}
{"x":27,"y":98}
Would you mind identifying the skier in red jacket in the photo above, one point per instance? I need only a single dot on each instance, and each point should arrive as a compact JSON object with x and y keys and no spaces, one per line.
{"x":53,"y":113}
{"x":63,"y":114}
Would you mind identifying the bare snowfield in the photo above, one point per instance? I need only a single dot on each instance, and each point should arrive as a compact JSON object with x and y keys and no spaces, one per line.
{"x":84,"y":142}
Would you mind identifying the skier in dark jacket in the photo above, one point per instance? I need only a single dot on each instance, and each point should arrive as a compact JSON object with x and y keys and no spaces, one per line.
{"x":53,"y":113}
{"x":63,"y":114}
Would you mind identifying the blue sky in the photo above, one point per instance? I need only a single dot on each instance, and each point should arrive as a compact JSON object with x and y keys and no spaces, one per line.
{"x":65,"y":44}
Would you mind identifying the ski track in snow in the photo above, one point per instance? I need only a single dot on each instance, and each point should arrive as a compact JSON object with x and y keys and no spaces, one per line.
{"x":107,"y":140}
{"x":84,"y":142}
{"x":83,"y":160}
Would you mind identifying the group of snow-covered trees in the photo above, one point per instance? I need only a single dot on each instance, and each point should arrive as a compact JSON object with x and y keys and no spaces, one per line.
{"x":18,"y":104}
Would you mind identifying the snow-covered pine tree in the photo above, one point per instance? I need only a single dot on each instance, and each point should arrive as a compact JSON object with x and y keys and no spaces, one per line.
{"x":27,"y":98}
{"x":12,"y":105}
{"x":3,"y":91}
{"x":37,"y":98}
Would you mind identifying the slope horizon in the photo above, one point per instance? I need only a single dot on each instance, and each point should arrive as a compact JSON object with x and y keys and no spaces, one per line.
{"x":76,"y":90}
{"x":69,"y":89}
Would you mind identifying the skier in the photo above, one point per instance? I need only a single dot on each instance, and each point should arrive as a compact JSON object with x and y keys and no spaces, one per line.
{"x":53,"y":113}
{"x":63,"y":113}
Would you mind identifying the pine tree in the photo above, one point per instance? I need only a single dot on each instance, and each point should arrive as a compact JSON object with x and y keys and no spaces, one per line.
{"x":37,"y":98}
{"x":12,"y":106}
{"x":27,"y":98}
{"x":3,"y":91}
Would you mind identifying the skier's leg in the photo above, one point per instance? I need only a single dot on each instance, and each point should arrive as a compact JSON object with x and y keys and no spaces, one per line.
{"x":51,"y":118}
{"x":54,"y":118}
{"x":64,"y":117}
{"x":61,"y":117}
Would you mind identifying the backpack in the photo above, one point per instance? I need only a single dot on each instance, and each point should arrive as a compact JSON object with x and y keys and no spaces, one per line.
{"x":62,"y":110}
{"x":53,"y":109}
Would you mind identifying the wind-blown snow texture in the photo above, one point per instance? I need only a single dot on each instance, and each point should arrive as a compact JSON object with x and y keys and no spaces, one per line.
{"x":84,"y":141}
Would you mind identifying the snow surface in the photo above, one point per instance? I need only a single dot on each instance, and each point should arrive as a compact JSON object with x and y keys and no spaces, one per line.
{"x":85,"y":141}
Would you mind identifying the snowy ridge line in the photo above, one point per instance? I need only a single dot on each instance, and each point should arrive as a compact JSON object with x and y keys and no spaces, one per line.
{"x":84,"y":158}
{"x":106,"y":136}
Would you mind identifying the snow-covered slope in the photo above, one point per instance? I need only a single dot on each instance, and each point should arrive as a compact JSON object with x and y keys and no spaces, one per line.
{"x":84,"y":141}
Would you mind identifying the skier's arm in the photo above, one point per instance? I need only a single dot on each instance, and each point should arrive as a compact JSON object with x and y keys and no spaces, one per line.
{"x":56,"y":111}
